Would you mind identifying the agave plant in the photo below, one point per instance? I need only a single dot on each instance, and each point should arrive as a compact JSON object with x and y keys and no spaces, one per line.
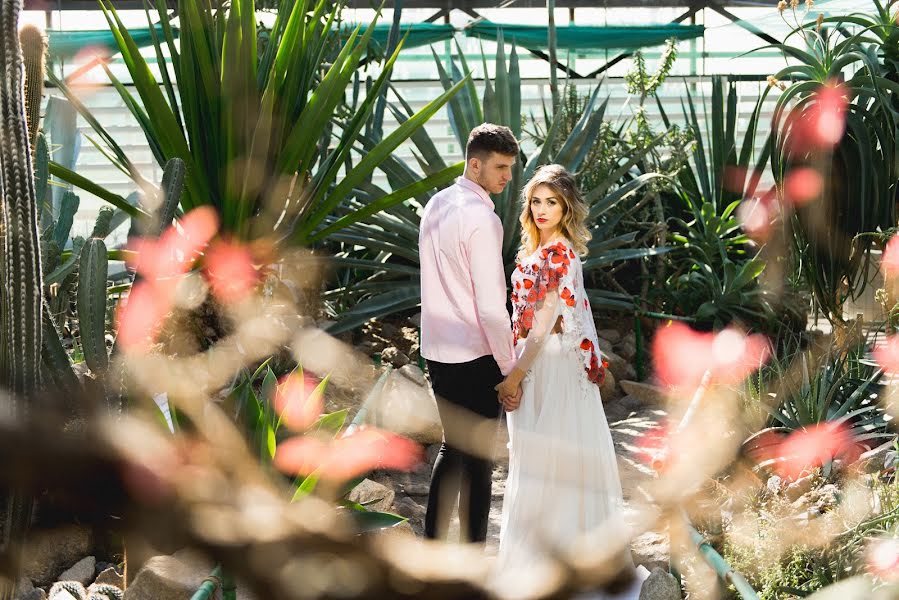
{"x":857,"y":54}
{"x":256,"y":130}
{"x":383,"y":277}
{"x":838,"y":387}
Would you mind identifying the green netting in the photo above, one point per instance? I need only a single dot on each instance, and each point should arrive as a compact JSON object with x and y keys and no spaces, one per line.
{"x":66,"y":44}
{"x":419,"y":34}
{"x":583,"y":37}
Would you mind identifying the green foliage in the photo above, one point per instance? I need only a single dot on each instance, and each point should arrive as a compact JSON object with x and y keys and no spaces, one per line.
{"x":254,"y":129}
{"x":20,"y":270}
{"x":91,"y":302}
{"x":837,"y":385}
{"x":34,"y":54}
{"x":801,"y":570}
{"x":254,"y":404}
{"x":861,"y":174}
{"x":714,"y":282}
{"x":640,"y":82}
{"x":383,"y":278}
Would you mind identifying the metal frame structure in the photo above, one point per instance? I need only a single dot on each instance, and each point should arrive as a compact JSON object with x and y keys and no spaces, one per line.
{"x":443,"y":8}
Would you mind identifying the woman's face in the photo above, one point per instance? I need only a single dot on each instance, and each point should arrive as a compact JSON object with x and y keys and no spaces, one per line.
{"x":546,"y":209}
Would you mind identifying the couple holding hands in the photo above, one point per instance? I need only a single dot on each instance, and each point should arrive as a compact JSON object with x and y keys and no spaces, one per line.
{"x":543,"y":366}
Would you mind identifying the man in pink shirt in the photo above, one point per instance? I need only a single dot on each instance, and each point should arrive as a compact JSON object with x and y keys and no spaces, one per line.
{"x":466,"y":335}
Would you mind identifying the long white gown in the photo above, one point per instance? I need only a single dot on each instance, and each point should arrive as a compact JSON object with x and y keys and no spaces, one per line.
{"x":563,"y":476}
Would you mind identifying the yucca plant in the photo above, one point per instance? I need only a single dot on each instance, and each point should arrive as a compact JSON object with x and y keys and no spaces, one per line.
{"x":256,"y":129}
{"x":859,"y":53}
{"x":383,"y":277}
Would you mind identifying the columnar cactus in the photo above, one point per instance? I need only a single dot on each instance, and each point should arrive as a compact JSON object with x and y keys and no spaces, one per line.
{"x":91,"y":300}
{"x":22,"y":260}
{"x":34,"y":52}
{"x":22,"y":279}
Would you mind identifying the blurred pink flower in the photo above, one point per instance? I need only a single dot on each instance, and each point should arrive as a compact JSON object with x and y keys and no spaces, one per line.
{"x":829,"y":114}
{"x":230,"y":271}
{"x":682,"y":355}
{"x":802,"y":185}
{"x":886,"y":354}
{"x":364,"y":450}
{"x":756,"y":216}
{"x":883,"y":559}
{"x":161,"y":264}
{"x":298,"y":402}
{"x":814,"y":446}
{"x":158,"y":261}
{"x":820,"y":124}
{"x":889,"y":262}
{"x":139,"y":316}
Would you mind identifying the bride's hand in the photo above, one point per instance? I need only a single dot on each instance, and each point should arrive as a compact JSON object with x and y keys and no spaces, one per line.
{"x":509,"y":390}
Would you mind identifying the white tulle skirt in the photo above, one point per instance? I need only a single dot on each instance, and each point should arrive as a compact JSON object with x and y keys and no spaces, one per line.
{"x":563,"y":476}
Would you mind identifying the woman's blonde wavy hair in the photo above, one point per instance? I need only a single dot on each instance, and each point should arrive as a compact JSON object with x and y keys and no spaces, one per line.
{"x":574,"y":209}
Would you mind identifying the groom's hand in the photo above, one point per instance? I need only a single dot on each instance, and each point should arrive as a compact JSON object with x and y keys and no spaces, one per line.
{"x":512,"y":402}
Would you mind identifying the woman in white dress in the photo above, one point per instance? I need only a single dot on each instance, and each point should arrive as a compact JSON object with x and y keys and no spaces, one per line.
{"x":563,"y":477}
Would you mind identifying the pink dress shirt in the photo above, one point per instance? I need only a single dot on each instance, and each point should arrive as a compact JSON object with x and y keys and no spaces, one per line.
{"x":463,"y":284}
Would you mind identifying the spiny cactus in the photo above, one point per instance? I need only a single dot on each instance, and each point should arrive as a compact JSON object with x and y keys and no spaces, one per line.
{"x":22,"y":279}
{"x":34,"y":52}
{"x":170,"y":195}
{"x":91,"y":303}
{"x":22,"y":260}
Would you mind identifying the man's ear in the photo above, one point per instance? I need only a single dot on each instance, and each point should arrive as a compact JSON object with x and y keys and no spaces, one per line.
{"x":474,"y":164}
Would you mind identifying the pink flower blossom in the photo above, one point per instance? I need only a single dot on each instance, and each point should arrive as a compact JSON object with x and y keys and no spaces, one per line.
{"x":682,"y":355}
{"x":360,"y":452}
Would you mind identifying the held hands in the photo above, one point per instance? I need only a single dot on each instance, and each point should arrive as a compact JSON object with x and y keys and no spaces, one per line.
{"x":509,"y":391}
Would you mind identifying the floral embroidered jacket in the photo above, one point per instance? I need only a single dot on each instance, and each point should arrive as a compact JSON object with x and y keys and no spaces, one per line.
{"x":546,"y":285}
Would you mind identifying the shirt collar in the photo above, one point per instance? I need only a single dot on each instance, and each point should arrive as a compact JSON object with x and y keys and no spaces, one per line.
{"x":472,"y":186}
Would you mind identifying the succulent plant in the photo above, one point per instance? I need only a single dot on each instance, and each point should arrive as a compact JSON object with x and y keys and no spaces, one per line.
{"x":34,"y":53}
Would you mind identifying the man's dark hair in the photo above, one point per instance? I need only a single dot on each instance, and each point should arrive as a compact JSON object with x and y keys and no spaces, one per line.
{"x":487,"y":138}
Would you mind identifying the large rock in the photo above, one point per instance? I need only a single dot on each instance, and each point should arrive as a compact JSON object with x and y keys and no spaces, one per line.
{"x":405,"y":407}
{"x":409,"y":508}
{"x":627,"y":347}
{"x":34,"y":594}
{"x":414,"y":374}
{"x":608,"y":390}
{"x":394,"y":357}
{"x":647,"y":393}
{"x":605,"y":347}
{"x":175,"y":577}
{"x":613,"y":336}
{"x":620,"y":367}
{"x":24,"y":586}
{"x":660,"y":585}
{"x":373,"y":495}
{"x":48,"y":552}
{"x":111,"y":576}
{"x":82,"y":571}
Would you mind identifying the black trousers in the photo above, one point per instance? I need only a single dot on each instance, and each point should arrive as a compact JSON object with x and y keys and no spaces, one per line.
{"x":468,"y":409}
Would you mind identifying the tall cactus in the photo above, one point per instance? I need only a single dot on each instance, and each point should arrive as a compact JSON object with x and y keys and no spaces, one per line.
{"x":21,"y":265}
{"x":34,"y":53}
{"x":91,"y":300}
